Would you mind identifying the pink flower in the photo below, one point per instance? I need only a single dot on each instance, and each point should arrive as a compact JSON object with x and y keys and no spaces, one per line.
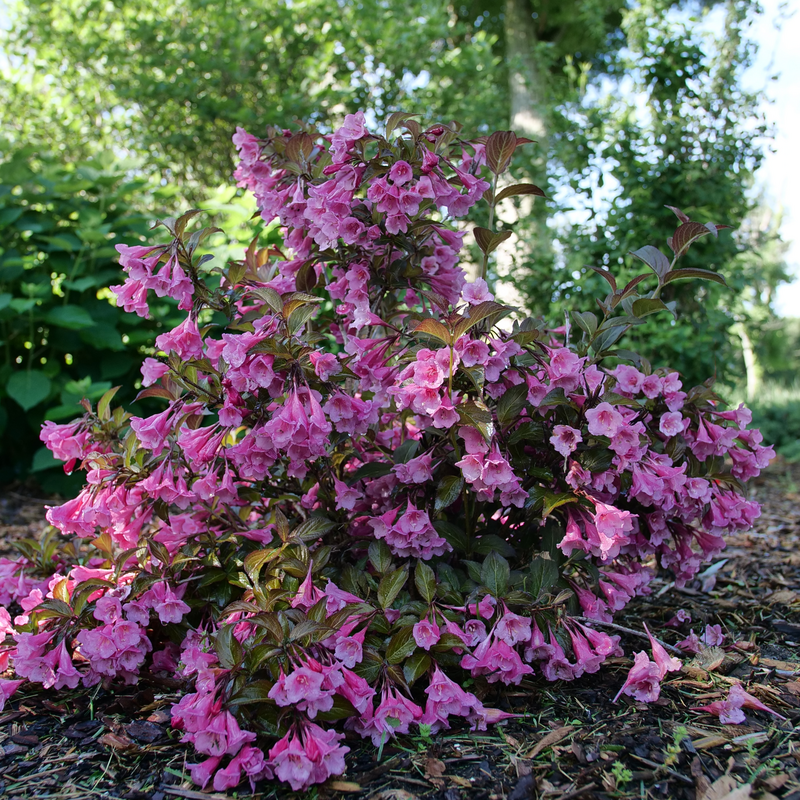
{"x":347,"y":497}
{"x":629,"y":379}
{"x":665,"y":662}
{"x":325,"y":365}
{"x":730,"y":711}
{"x":445,"y":699}
{"x":681,"y":616}
{"x":476,"y":292}
{"x":202,"y":773}
{"x":185,"y":340}
{"x":356,"y":690}
{"x":251,"y":760}
{"x":474,"y":632}
{"x":497,"y":661}
{"x":564,"y":369}
{"x":152,"y":431}
{"x":426,"y":634}
{"x":302,"y":763}
{"x":415,"y":470}
{"x":291,"y":763}
{"x":400,"y":173}
{"x":304,"y":688}
{"x":393,"y":715}
{"x":411,"y":535}
{"x":166,"y":603}
{"x":307,"y":595}
{"x":671,"y":423}
{"x":221,"y":736}
{"x":557,"y":667}
{"x":565,"y":439}
{"x":644,"y":680}
{"x":513,"y":629}
{"x":604,"y":420}
{"x":349,"y":649}
{"x":152,"y":370}
{"x":713,"y":636}
{"x":7,"y":690}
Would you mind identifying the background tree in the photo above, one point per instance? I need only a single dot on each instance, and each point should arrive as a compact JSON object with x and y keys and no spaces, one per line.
{"x":629,"y":100}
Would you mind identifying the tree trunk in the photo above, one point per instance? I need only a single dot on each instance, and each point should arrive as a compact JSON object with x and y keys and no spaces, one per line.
{"x":527,"y":117}
{"x":525,"y":80}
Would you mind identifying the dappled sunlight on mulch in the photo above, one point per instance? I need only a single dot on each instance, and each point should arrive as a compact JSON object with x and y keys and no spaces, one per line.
{"x":570,"y":741}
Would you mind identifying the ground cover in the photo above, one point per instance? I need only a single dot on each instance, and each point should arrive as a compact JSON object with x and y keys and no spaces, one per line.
{"x":569,"y":741}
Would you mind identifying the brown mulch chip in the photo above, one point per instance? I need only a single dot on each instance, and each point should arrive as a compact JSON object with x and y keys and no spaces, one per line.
{"x":569,"y":740}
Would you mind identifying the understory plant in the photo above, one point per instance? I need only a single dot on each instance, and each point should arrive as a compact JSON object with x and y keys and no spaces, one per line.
{"x":362,"y":494}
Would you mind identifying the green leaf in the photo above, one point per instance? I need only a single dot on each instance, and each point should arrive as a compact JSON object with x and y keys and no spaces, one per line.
{"x":406,"y":451}
{"x":434,"y":328}
{"x":342,"y":709}
{"x":597,"y":459}
{"x":528,"y":432}
{"x":511,"y":403}
{"x":44,"y":459}
{"x":487,"y":310}
{"x":313,"y":528}
{"x":380,"y":556}
{"x":448,"y":491}
{"x":454,"y":535}
{"x":544,"y":574}
{"x":476,"y":414}
{"x":495,"y":574}
{"x":104,"y":404}
{"x":500,"y":147}
{"x":9,"y":215}
{"x":542,"y":498}
{"x":28,"y":388}
{"x":425,"y":581}
{"x":688,"y":233}
{"x":253,"y":692}
{"x":227,"y":647}
{"x":390,"y":586}
{"x":401,"y":645}
{"x":586,"y":321}
{"x":703,"y":274}
{"x":299,"y":317}
{"x":489,"y":241}
{"x":415,"y":667}
{"x":255,"y":561}
{"x":73,"y":318}
{"x":22,"y":304}
{"x":654,"y":259}
{"x":645,"y":306}
{"x":519,"y":189}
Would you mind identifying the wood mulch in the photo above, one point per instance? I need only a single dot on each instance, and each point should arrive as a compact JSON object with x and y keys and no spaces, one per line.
{"x":569,"y":741}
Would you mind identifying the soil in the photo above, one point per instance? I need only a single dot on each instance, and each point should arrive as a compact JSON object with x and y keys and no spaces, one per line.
{"x":569,"y":740}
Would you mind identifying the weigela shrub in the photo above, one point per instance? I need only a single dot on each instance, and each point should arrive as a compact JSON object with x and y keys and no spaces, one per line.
{"x":361,"y":495}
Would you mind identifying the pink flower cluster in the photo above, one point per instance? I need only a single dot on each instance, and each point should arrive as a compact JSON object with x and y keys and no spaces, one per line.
{"x":410,"y":535}
{"x":144,"y":273}
{"x":353,"y":495}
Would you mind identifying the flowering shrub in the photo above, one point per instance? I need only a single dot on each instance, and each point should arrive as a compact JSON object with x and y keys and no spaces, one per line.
{"x":360,"y":491}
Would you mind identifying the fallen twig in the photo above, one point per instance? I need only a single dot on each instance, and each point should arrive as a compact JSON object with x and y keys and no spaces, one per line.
{"x":631,"y":631}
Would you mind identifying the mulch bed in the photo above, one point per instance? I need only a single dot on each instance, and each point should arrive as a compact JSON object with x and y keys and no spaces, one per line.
{"x":569,"y":741}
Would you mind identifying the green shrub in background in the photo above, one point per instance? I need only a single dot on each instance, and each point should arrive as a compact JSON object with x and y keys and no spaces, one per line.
{"x":61,"y":335}
{"x":62,"y":338}
{"x":776,"y":411}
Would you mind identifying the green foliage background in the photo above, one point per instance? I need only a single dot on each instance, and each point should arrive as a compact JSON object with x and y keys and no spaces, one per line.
{"x":640,"y":105}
